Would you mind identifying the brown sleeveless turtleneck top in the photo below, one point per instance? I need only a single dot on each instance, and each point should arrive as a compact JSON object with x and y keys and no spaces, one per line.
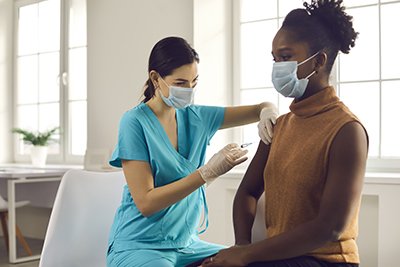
{"x":297,"y":167}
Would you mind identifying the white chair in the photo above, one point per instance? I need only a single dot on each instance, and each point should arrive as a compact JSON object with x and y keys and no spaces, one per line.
{"x":259,"y":229}
{"x":4,"y":217}
{"x":81,"y":219}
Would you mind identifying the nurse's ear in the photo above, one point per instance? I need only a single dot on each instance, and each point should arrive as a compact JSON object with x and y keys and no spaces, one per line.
{"x":154,"y":78}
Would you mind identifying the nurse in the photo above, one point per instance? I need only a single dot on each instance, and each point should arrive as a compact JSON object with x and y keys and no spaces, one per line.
{"x":161,"y":148}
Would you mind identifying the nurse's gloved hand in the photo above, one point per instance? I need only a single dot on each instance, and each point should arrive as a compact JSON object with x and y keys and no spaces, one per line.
{"x":221,"y":162}
{"x":268,"y":117}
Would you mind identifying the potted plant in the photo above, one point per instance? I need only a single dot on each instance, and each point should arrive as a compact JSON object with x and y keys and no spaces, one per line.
{"x":39,"y":142}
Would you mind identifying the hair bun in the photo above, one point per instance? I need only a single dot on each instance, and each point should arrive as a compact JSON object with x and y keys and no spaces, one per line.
{"x":339,"y":23}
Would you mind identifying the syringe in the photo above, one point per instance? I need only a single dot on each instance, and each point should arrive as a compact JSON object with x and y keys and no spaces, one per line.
{"x":246,"y":145}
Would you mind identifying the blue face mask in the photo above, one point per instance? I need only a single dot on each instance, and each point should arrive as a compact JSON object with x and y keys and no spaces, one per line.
{"x":284,"y":78}
{"x":179,"y":97}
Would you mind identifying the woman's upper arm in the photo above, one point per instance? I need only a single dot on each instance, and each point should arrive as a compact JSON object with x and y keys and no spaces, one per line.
{"x":253,"y":180}
{"x":139,"y":177}
{"x":247,"y":195}
{"x":345,"y":179}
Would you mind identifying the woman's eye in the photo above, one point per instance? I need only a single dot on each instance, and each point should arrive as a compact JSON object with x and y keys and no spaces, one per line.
{"x":286,"y":58}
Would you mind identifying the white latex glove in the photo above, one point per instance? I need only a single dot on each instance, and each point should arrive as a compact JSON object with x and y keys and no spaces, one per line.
{"x":221,"y":162}
{"x":268,"y":117}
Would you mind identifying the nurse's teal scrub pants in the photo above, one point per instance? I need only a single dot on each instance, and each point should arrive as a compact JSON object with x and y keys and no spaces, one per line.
{"x":162,"y":257}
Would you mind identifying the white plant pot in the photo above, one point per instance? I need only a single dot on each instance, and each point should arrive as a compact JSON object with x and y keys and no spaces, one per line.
{"x":39,"y":156}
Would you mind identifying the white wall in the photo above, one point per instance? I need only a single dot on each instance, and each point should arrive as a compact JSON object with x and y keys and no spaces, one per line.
{"x":6,"y":51}
{"x":213,"y":42}
{"x":120,"y":37}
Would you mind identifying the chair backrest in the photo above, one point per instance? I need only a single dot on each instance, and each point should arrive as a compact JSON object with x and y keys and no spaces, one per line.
{"x":81,"y":219}
{"x":259,"y":229}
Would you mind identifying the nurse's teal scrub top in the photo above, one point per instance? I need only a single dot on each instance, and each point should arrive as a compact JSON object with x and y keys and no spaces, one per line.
{"x":141,"y":137}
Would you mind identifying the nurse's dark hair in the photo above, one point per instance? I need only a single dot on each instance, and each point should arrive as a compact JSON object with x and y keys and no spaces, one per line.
{"x":167,"y":55}
{"x":324,"y":26}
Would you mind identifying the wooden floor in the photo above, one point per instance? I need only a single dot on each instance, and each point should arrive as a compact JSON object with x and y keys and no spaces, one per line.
{"x":34,"y":244}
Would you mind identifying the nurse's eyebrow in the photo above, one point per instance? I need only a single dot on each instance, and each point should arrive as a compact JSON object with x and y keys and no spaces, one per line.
{"x":184,"y":80}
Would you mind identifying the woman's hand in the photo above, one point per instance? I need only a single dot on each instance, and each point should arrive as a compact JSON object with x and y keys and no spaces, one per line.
{"x":221,"y":162}
{"x":268,"y":118}
{"x":233,"y":256}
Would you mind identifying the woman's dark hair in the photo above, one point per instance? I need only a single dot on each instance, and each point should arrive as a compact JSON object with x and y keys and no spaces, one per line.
{"x":167,"y":55}
{"x":324,"y":26}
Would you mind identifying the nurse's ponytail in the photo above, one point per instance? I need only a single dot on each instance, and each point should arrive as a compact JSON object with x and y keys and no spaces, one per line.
{"x":167,"y":55}
{"x":149,"y":90}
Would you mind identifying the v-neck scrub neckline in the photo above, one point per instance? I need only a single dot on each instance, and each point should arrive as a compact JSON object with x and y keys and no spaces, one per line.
{"x":180,"y":130}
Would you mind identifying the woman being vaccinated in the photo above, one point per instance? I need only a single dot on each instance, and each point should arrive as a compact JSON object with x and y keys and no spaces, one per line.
{"x":161,"y":147}
{"x":312,"y":174}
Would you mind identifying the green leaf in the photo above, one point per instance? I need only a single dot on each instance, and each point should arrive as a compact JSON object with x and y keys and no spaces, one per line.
{"x":38,"y":139}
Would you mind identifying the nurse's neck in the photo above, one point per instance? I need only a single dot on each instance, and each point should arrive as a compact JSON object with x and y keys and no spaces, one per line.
{"x":160,"y":109}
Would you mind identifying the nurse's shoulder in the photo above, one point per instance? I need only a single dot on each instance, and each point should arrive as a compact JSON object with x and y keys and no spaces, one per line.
{"x":133,"y":117}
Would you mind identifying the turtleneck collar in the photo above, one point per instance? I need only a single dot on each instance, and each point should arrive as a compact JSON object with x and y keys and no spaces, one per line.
{"x":314,"y":104}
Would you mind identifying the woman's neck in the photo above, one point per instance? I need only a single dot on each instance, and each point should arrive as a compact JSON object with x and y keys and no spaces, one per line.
{"x":160,"y":109}
{"x":314,"y":87}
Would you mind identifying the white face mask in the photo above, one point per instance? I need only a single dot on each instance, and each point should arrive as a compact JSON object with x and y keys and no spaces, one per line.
{"x":284,"y":78}
{"x":179,"y":97}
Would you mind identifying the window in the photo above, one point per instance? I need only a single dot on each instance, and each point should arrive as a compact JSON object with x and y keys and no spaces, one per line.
{"x":254,"y":60}
{"x":367,"y":80}
{"x":50,"y":75}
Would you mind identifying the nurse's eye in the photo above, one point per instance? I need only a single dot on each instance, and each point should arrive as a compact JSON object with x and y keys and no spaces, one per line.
{"x":286,"y":57}
{"x":180,"y":84}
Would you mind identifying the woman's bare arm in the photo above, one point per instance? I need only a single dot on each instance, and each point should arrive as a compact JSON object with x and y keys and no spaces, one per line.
{"x":149,"y":199}
{"x":247,"y":195}
{"x":242,"y":115}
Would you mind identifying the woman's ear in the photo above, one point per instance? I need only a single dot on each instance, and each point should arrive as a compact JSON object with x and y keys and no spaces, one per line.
{"x":320,"y":61}
{"x":154,"y":78}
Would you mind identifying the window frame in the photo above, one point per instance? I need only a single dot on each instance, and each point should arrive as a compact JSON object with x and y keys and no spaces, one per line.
{"x":374,"y":164}
{"x":64,"y":156}
{"x":380,"y":163}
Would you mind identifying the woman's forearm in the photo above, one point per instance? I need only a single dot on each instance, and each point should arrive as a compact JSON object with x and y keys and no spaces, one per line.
{"x":264,"y":105}
{"x":244,"y":211}
{"x":159,"y":198}
{"x":150,"y":199}
{"x":242,"y":115}
{"x":292,"y":243}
